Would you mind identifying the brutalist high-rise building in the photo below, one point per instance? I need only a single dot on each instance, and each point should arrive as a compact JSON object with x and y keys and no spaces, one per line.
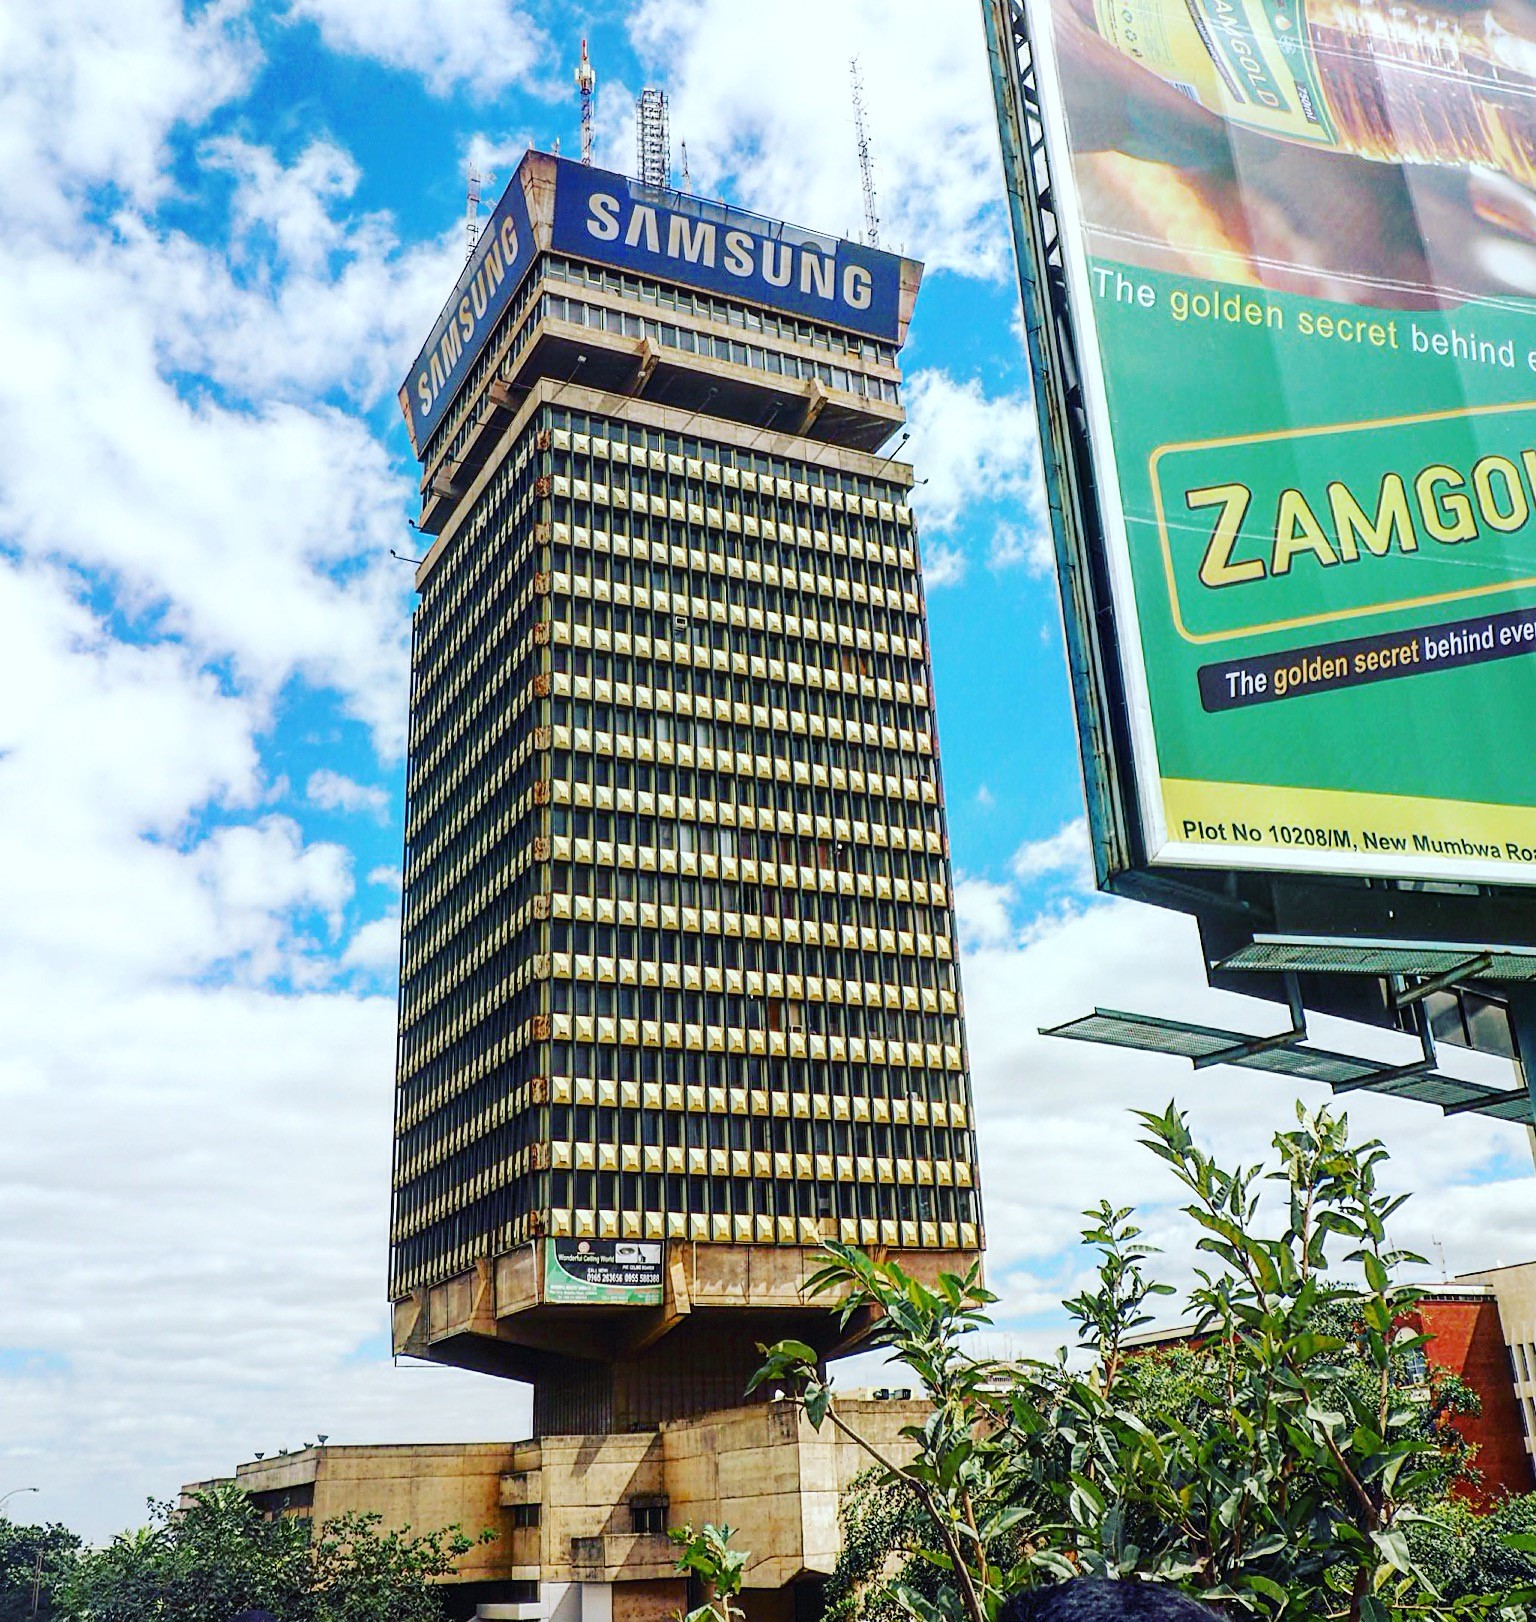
{"x":679,"y":991}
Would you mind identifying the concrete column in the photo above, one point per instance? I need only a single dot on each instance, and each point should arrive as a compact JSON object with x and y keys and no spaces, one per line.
{"x":560,"y":1602}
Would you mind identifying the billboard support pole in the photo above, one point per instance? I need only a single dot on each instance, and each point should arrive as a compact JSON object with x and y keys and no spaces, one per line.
{"x":1063,"y":468}
{"x":1522,"y":1024}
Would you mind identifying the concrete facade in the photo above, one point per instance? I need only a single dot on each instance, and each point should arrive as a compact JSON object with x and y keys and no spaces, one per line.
{"x":581,"y":1521}
{"x":679,"y":967}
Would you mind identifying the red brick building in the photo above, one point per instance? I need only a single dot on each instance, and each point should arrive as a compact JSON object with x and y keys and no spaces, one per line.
{"x":1482,"y":1328}
{"x":1468,"y":1339}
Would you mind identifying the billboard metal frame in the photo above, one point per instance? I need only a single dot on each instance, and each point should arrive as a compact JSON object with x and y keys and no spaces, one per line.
{"x":1309,"y":941}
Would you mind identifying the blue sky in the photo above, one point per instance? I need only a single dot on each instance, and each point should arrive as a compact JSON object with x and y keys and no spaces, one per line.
{"x":224,"y":231}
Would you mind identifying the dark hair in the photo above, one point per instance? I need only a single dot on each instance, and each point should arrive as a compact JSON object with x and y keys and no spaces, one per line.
{"x":1093,"y":1599}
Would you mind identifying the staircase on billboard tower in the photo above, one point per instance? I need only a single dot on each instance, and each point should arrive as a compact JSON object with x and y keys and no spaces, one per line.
{"x":586,"y":83}
{"x":653,"y":147}
{"x":866,"y":158}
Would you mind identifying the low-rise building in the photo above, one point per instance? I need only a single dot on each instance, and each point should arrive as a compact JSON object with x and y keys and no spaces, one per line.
{"x":1482,"y":1328}
{"x":581,"y":1521}
{"x":1510,"y":1371}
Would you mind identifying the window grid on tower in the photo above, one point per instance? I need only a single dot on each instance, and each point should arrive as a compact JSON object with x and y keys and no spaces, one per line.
{"x":678,"y":948}
{"x":751,"y":941}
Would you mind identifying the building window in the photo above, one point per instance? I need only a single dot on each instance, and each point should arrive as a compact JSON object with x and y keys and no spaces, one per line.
{"x":524,"y":1515}
{"x":1415,"y":1366}
{"x":648,"y":1516}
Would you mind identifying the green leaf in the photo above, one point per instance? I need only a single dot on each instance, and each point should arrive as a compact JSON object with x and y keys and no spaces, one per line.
{"x":1394,"y":1550}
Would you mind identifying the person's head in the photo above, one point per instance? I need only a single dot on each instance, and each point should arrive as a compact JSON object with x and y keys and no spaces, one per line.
{"x":1092,"y":1599}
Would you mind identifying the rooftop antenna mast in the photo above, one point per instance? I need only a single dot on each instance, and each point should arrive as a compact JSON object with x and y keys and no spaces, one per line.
{"x":586,"y":83}
{"x":866,"y":159}
{"x":472,"y":214}
{"x":653,"y":148}
{"x":686,"y":184}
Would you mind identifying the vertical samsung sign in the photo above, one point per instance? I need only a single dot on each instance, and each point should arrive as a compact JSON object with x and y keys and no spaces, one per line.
{"x":502,"y":254}
{"x":724,"y":250}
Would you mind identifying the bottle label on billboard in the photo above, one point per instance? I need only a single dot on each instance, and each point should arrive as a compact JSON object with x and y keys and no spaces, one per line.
{"x":1245,"y":59}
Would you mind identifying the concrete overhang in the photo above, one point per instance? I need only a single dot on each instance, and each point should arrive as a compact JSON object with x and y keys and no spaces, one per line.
{"x":566,"y":352}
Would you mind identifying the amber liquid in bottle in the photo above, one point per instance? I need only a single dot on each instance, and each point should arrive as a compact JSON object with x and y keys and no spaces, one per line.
{"x":1415,"y":84}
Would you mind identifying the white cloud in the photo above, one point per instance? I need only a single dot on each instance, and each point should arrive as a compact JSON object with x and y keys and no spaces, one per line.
{"x":982,"y":911}
{"x":293,"y":204}
{"x":315,"y":297}
{"x":1027,"y":544}
{"x":263,"y":880}
{"x":196,"y":1146}
{"x":332,"y":791}
{"x":484,"y":45}
{"x":766,"y":110}
{"x":375,"y":946}
{"x":90,"y":89}
{"x":191,"y":1216}
{"x":497,"y":157}
{"x":194,"y":522}
{"x":1065,"y":851}
{"x":390,"y":877}
{"x":254,"y":528}
{"x":971,"y":446}
{"x":943,"y":565}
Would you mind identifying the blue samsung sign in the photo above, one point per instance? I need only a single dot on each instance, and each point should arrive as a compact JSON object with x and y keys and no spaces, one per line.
{"x":665,"y":234}
{"x":503,"y":253}
{"x":725,"y":250}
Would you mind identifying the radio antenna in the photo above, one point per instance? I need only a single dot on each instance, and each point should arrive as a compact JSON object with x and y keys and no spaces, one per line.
{"x":472,"y":214}
{"x":866,"y":158}
{"x":586,"y":83}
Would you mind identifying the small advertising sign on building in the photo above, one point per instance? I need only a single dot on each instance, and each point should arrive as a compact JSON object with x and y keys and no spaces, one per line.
{"x":603,"y":1272}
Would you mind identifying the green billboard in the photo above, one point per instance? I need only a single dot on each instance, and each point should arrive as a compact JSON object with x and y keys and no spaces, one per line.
{"x":1299,"y":250}
{"x":603,"y":1272}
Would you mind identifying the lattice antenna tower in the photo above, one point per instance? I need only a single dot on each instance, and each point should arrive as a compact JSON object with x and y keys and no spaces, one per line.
{"x":866,"y":158}
{"x":586,"y":83}
{"x":472,"y":214}
{"x":653,"y":147}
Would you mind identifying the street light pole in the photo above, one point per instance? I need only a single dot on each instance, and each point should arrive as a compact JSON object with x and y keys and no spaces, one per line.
{"x":12,"y":1493}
